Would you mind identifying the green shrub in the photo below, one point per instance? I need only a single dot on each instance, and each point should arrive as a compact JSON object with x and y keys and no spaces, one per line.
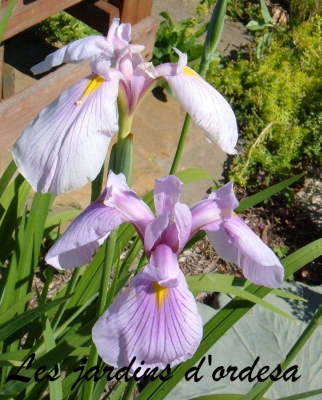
{"x":62,"y":28}
{"x":278,"y":103}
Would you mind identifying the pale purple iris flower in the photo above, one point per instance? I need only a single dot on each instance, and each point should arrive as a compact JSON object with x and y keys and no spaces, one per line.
{"x":65,"y":146}
{"x":156,"y":318}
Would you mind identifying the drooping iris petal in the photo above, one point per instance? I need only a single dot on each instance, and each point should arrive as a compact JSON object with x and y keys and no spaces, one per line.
{"x":225,"y":199}
{"x":85,"y":234}
{"x":207,"y":214}
{"x":74,"y":53}
{"x":237,"y":243}
{"x":157,"y":325}
{"x":207,"y":107}
{"x":65,"y":146}
{"x":126,"y":201}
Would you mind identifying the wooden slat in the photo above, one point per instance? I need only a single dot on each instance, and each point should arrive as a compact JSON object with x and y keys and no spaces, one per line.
{"x":26,"y":15}
{"x":19,"y":110}
{"x":144,"y":33}
{"x":8,"y":81}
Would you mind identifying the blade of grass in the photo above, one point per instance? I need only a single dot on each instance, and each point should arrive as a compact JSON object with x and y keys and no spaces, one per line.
{"x":10,"y":327}
{"x":7,"y":176}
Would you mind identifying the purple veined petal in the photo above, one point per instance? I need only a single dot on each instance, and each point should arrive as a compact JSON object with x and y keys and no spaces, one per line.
{"x":167,"y":192}
{"x":237,"y":243}
{"x":65,"y":145}
{"x":225,"y":199}
{"x":84,"y":235}
{"x":207,"y":107}
{"x":75,"y":52}
{"x":208,"y":213}
{"x":157,"y":325}
{"x":126,"y":201}
{"x":154,"y":230}
{"x":178,"y":233}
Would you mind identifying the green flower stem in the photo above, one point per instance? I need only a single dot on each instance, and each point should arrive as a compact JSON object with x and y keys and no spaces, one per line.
{"x":182,"y":141}
{"x":125,"y":119}
{"x":106,"y":272}
{"x":127,"y":395}
{"x":259,"y":390}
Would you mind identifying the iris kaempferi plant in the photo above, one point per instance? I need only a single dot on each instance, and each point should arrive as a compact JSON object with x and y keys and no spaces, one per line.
{"x":65,"y":146}
{"x":155,"y":319}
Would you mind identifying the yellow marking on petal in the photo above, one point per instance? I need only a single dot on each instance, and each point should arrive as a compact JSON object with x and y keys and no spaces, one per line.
{"x":189,"y":71}
{"x":161,"y":293}
{"x":93,"y":85}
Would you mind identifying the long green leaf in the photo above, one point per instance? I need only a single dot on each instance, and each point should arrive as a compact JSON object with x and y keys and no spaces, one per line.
{"x":220,"y":397}
{"x":266,"y":194}
{"x":302,"y":396}
{"x":15,"y":308}
{"x":55,"y":386}
{"x":10,"y":327}
{"x":58,"y":354}
{"x":7,"y":176}
{"x":6,"y":17}
{"x":208,"y":283}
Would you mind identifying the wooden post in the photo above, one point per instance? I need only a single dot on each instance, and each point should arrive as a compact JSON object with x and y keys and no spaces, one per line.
{"x":133,"y":11}
{"x":1,"y":66}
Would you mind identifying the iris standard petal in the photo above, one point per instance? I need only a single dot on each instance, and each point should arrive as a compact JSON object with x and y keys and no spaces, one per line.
{"x":156,"y":325}
{"x":178,"y":233}
{"x":65,"y":146}
{"x":207,"y":107}
{"x":154,"y":230}
{"x":167,"y":191}
{"x":84,"y":235}
{"x":119,"y":35}
{"x":237,"y":243}
{"x":75,"y":52}
{"x":126,"y":201}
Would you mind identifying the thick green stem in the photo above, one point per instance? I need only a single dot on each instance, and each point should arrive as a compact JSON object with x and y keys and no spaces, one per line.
{"x":182,"y":141}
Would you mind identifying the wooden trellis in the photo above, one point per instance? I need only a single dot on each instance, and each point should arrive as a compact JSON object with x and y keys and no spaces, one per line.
{"x":19,"y":109}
